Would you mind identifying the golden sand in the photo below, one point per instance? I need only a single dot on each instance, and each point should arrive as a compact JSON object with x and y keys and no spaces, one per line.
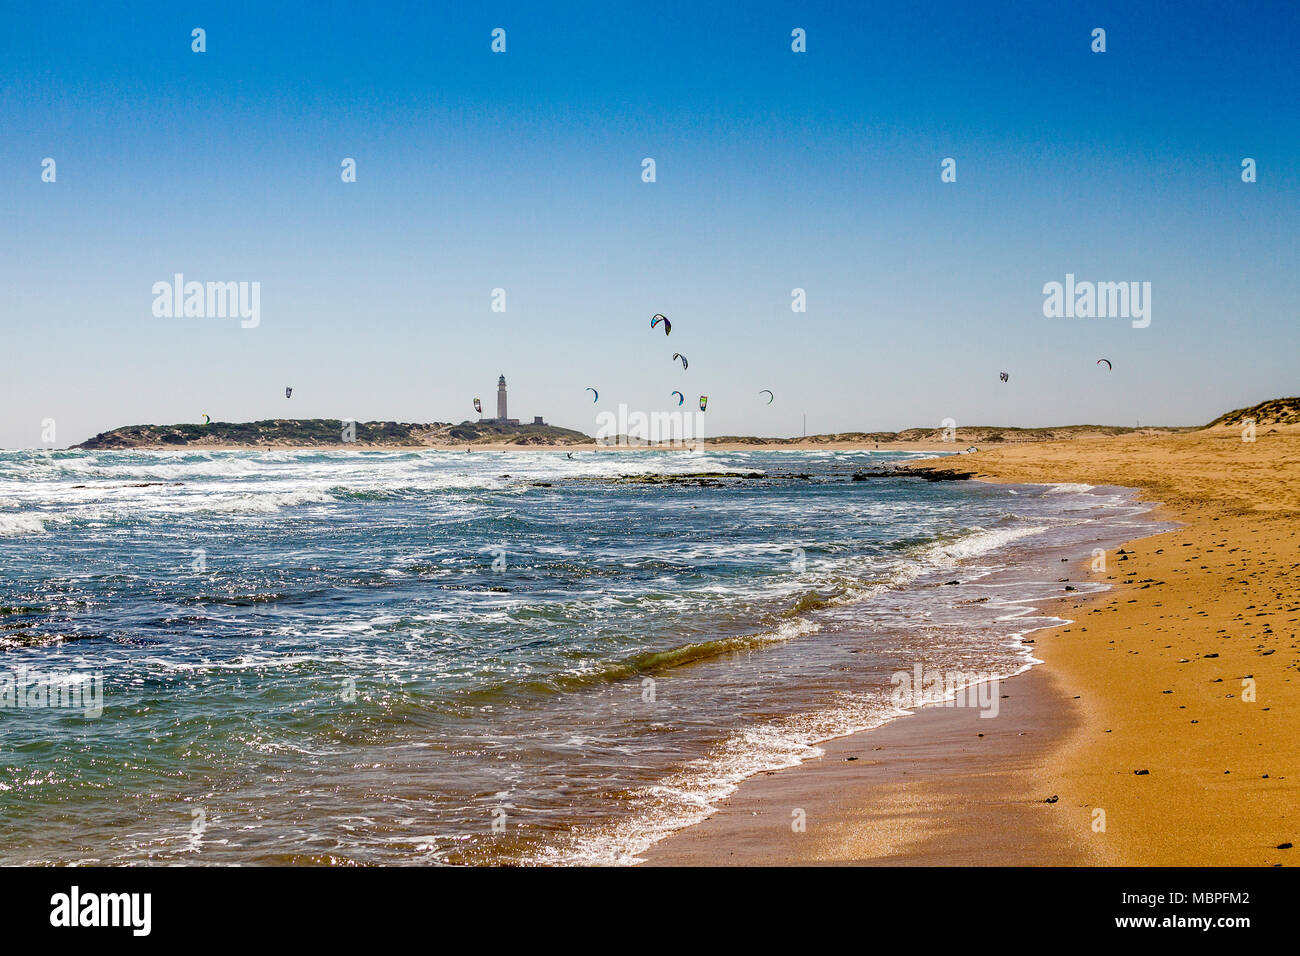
{"x":1190,"y":668}
{"x":1165,"y":720}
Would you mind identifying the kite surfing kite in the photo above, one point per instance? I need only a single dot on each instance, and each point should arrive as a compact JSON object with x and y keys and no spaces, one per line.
{"x":679,"y":355}
{"x":704,"y":402}
{"x":206,"y":419}
{"x":768,"y":392}
{"x":288,"y":392}
{"x":680,"y":397}
{"x":1004,"y":376}
{"x":668,"y":326}
{"x":595,"y":395}
{"x":1107,"y":363}
{"x":478,"y":406}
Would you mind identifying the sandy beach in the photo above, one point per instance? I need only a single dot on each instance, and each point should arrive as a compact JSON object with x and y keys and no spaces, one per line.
{"x":1160,"y":729}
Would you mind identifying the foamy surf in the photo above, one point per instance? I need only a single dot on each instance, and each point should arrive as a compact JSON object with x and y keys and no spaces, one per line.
{"x":12,"y":525}
{"x":600,"y":659}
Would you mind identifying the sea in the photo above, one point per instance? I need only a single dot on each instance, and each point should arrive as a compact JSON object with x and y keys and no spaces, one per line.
{"x":498,"y":657}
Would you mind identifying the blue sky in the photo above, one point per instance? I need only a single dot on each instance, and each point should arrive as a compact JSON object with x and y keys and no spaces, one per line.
{"x":522,"y":171}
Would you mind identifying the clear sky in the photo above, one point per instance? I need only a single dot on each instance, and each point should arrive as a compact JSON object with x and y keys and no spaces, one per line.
{"x":522,"y":171}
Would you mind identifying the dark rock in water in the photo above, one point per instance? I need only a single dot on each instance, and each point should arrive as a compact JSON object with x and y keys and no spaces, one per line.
{"x":900,"y":470}
{"x":705,"y":479}
{"x":939,"y":474}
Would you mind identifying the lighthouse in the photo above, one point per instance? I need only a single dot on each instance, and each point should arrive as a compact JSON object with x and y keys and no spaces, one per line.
{"x":503,"y":417}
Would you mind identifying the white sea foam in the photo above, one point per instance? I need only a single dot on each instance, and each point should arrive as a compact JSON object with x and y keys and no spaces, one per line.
{"x":12,"y":525}
{"x":693,"y":794}
{"x":948,"y":553}
{"x":138,"y":484}
{"x":581,"y":602}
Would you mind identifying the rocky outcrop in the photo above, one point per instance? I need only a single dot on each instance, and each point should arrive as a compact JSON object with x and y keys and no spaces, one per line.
{"x":329,"y":432}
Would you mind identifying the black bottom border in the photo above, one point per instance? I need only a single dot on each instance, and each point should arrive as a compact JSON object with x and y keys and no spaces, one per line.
{"x":920,"y":906}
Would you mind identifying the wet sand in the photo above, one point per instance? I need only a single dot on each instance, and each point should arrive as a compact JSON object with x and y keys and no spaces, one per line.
{"x":941,"y":787}
{"x":1164,"y":718}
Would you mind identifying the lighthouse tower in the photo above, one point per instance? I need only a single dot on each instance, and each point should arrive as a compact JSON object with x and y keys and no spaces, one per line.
{"x":501,"y":400}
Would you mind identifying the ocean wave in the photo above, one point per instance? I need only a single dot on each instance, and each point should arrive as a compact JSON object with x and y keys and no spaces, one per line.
{"x":978,"y":542}
{"x":691,"y":795}
{"x":13,"y":525}
{"x":751,"y":601}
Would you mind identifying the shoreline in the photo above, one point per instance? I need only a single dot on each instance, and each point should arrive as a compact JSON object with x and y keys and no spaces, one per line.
{"x":914,"y":790}
{"x":926,"y":447}
{"x":1136,"y":721}
{"x":860,"y":795}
